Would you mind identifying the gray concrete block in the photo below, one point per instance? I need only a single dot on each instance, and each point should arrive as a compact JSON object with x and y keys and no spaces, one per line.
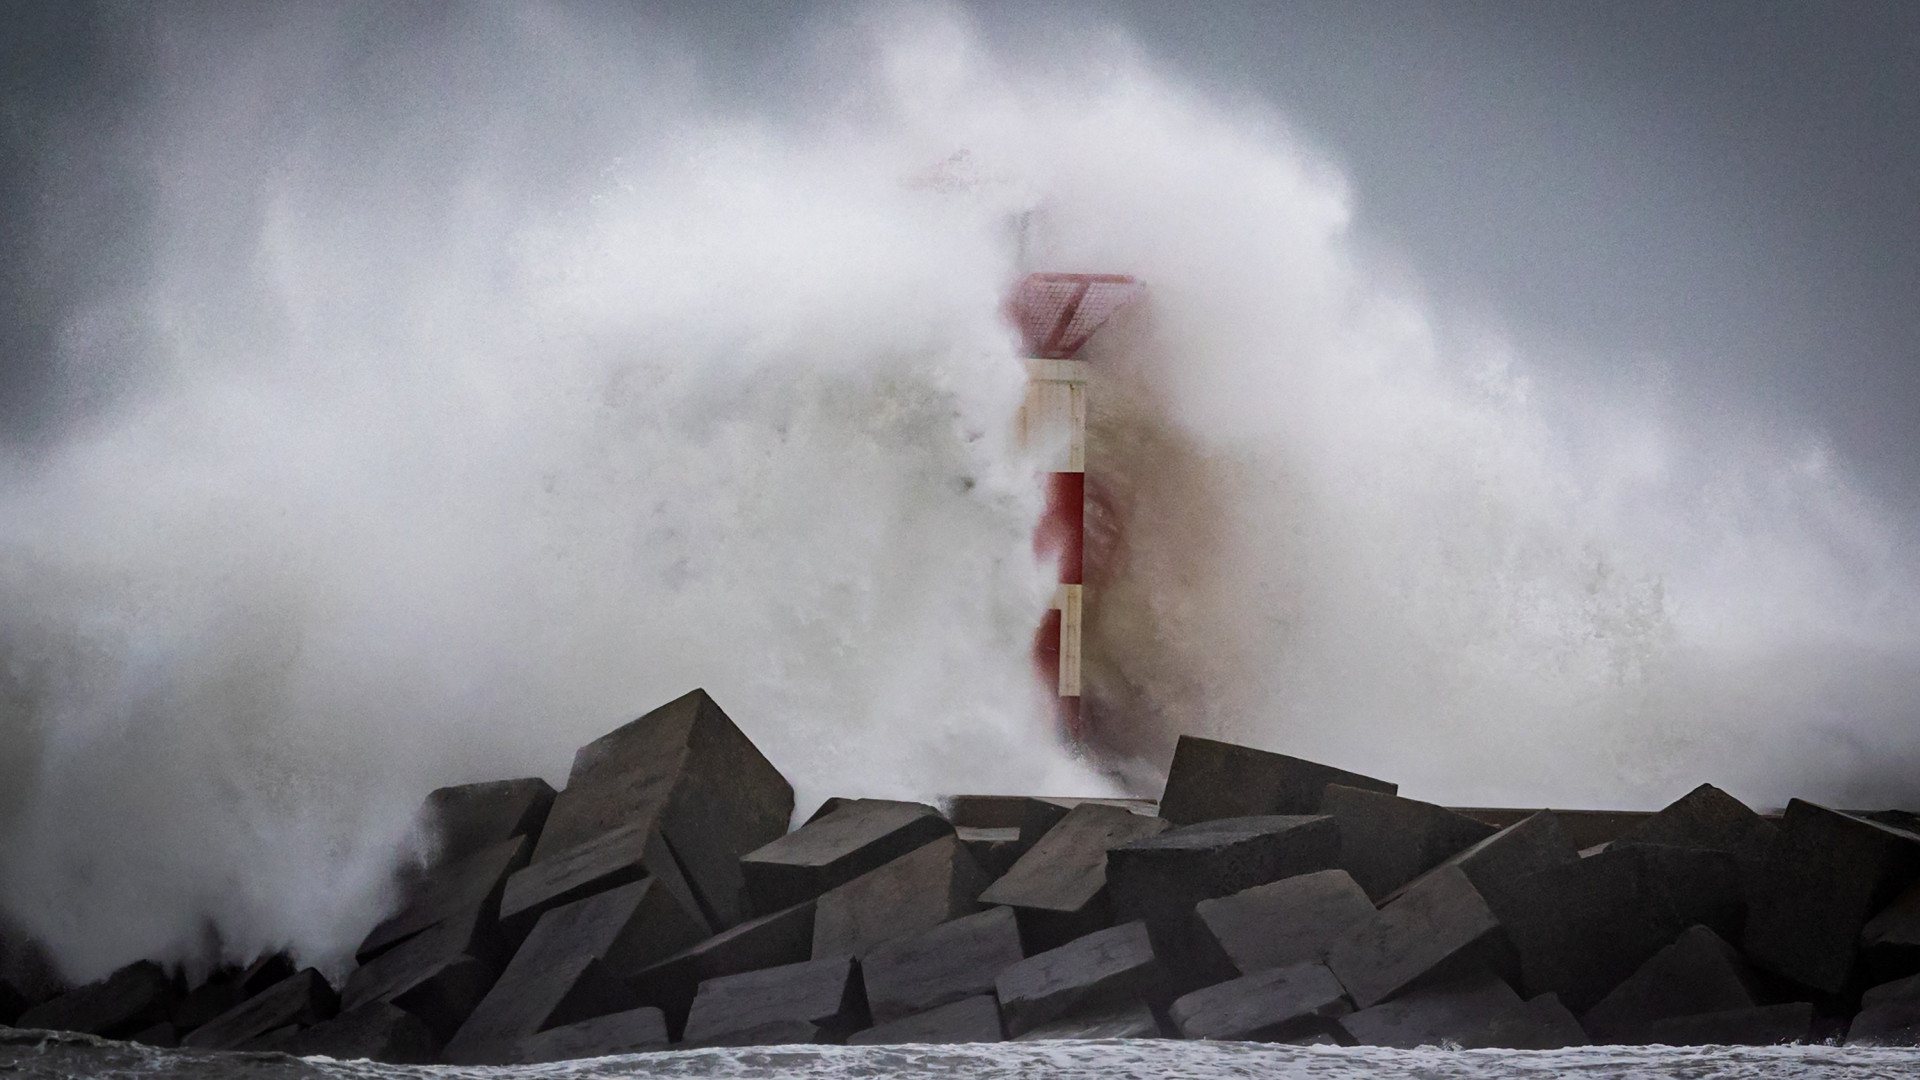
{"x":1907,"y":989}
{"x":996,"y":850}
{"x":915,"y":892}
{"x":221,"y":991}
{"x":618,"y":856}
{"x":1284,"y":922}
{"x":1387,"y":841}
{"x":1441,"y":928}
{"x":469,"y":818}
{"x":134,"y":997}
{"x":573,"y":966}
{"x":1886,"y":1023}
{"x":1107,"y":968}
{"x":1448,"y":1013}
{"x":1266,"y":1006}
{"x":1698,"y":973}
{"x":468,"y":888}
{"x":685,"y":771}
{"x":301,"y":1000}
{"x":1059,"y":887}
{"x":376,"y":1031}
{"x":1760,"y":1025}
{"x":1161,"y":878}
{"x":1534,"y":843}
{"x":969,"y":1020}
{"x":1134,"y":1020}
{"x":431,"y":975}
{"x":857,"y":836}
{"x":955,"y":960}
{"x":1540,"y":1023}
{"x":1210,"y":779}
{"x":633,"y":1031}
{"x":812,"y":1001}
{"x":1896,"y":926}
{"x":1708,"y":818}
{"x":784,"y":937}
{"x":1825,"y":876}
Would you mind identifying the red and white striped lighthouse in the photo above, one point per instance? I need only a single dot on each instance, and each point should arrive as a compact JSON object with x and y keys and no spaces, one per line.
{"x":1057,"y":314}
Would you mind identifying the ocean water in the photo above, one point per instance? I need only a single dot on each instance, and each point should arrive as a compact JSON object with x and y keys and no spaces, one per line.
{"x":42,"y":1054}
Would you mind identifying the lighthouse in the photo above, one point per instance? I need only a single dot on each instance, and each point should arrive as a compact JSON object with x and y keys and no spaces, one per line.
{"x":1057,"y":314}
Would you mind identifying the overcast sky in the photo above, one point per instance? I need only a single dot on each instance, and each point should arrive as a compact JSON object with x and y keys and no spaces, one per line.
{"x":1728,"y":189}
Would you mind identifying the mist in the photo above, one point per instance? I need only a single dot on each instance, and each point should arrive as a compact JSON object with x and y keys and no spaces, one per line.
{"x":487,"y":378}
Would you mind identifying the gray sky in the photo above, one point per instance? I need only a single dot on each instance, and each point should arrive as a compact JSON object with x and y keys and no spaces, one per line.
{"x":1733,"y":188}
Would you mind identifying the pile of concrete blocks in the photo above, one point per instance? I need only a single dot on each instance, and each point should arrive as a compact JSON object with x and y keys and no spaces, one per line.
{"x":659,"y":900}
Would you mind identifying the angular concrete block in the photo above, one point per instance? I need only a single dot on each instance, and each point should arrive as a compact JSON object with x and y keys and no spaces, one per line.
{"x":616,"y":857}
{"x":1581,"y":929}
{"x":1447,"y":1013}
{"x":955,"y":960}
{"x":134,"y":997}
{"x":1105,"y":969}
{"x":1760,"y":1025}
{"x":469,"y":818}
{"x":1266,"y":1006}
{"x":374,"y":1032}
{"x":1825,"y":875}
{"x":685,"y":771}
{"x":812,"y":1001}
{"x":1534,"y":843}
{"x":1387,"y":841}
{"x":1134,"y":1020}
{"x":1540,"y":1023}
{"x":1440,"y":928}
{"x":468,"y":888}
{"x":1161,"y":879}
{"x":573,"y":966}
{"x":858,"y":836}
{"x":1887,"y":1023}
{"x":163,"y":1035}
{"x":1895,"y":929}
{"x":996,"y":850}
{"x":1708,"y":818}
{"x":1698,"y":973}
{"x":1059,"y":887}
{"x":1907,"y":989}
{"x":301,"y":1001}
{"x":1209,"y":780}
{"x":221,"y":991}
{"x":431,"y":975}
{"x":915,"y":892}
{"x":634,"y":1031}
{"x":1285,"y":922}
{"x":970,"y":1020}
{"x":784,"y":937}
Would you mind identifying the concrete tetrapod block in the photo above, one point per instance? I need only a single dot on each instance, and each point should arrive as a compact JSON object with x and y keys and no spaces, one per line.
{"x":1281,"y":1003}
{"x":1284,"y":922}
{"x":572,"y":967}
{"x":302,"y":1000}
{"x":1494,"y":865}
{"x":134,"y":997}
{"x":970,"y":1020}
{"x":431,"y":975}
{"x":467,"y":888}
{"x":858,"y":836}
{"x":1387,"y":841}
{"x":955,"y":960}
{"x":1760,"y":1025}
{"x":813,"y":1001}
{"x":1581,"y":929}
{"x":1209,"y":780}
{"x":376,"y":1031}
{"x":1439,"y":929}
{"x":1059,"y":887}
{"x":784,"y":937}
{"x":634,"y":1031}
{"x":1105,"y":969}
{"x":1888,"y":1023}
{"x":914,"y":892}
{"x":1161,"y":878}
{"x":1134,"y":1020}
{"x":1450,"y":1012}
{"x":1698,"y":973}
{"x":469,"y":818}
{"x":1825,"y":875}
{"x":685,"y":771}
{"x":1539,"y":1023}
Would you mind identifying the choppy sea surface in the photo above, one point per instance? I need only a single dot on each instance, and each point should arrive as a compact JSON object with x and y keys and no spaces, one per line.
{"x":42,"y":1054}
